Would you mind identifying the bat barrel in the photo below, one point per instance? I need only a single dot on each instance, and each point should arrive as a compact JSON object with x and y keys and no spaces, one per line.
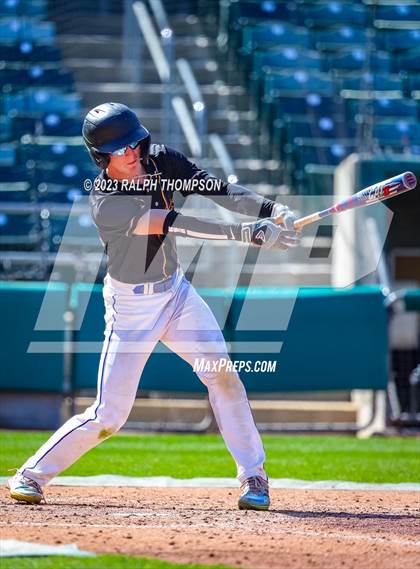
{"x":378,"y":192}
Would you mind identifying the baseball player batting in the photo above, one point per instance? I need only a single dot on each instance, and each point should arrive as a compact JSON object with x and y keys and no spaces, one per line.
{"x":148,"y":299}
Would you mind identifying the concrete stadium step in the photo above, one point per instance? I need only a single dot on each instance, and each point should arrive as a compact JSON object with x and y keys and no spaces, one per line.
{"x":251,"y":172}
{"x":90,"y":46}
{"x":224,"y":122}
{"x":266,"y":412}
{"x":103,"y":45}
{"x":79,"y":23}
{"x":103,"y":70}
{"x":216,"y":98}
{"x":192,"y":25}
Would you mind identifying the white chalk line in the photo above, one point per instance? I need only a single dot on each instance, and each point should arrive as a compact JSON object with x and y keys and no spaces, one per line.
{"x":307,"y":533}
{"x":109,"y":480}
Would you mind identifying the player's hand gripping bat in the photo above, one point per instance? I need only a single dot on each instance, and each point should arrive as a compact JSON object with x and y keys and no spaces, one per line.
{"x":372,"y":194}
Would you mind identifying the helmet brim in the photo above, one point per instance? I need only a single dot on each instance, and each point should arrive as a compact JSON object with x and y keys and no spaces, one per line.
{"x":138,"y":134}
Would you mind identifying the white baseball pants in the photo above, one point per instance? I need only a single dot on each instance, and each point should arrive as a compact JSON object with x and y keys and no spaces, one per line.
{"x":180,"y":319}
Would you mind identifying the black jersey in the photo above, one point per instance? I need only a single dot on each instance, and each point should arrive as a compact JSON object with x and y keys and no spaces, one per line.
{"x":116,"y":209}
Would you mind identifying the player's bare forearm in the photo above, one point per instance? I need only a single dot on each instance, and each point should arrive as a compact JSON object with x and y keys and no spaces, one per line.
{"x":151,"y":223}
{"x":162,"y":221}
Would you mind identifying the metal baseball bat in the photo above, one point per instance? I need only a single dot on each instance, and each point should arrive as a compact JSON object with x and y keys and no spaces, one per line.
{"x":372,"y":194}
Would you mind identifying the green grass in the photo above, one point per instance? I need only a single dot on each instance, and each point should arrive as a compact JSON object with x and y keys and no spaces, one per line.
{"x":187,"y":456}
{"x":100,"y":562}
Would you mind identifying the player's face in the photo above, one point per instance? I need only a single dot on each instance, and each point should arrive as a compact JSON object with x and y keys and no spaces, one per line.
{"x":127,"y":166}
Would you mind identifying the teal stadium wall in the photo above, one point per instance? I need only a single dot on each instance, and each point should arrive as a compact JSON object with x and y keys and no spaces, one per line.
{"x":336,"y":339}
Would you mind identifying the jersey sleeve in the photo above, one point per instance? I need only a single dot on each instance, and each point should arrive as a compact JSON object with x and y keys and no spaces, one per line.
{"x":233,"y":197}
{"x":118,"y":214}
{"x":182,"y":168}
{"x":200,"y":228}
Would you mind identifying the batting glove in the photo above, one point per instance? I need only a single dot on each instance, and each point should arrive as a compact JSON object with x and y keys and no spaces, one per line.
{"x":267,"y":234}
{"x":284,"y":216}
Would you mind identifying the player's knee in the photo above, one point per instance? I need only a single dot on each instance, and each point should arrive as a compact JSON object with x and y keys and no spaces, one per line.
{"x":227,"y":383}
{"x":110,"y":421}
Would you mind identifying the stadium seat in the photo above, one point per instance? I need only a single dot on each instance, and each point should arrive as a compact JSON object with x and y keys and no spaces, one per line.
{"x":339,"y":38}
{"x":15,"y":103}
{"x":287,"y":131}
{"x":333,"y":13}
{"x":19,"y":230}
{"x":69,"y":173}
{"x":412,"y":83}
{"x":27,"y":52}
{"x":23,"y":8}
{"x":50,"y":124}
{"x":272,"y":35}
{"x":16,"y":192}
{"x":397,"y":40}
{"x":287,"y":58}
{"x":410,"y":61}
{"x":265,"y":36}
{"x":401,"y":133}
{"x":313,"y":106}
{"x":399,"y":12}
{"x":319,"y":127}
{"x":312,"y":103}
{"x":5,"y":128}
{"x":248,"y":12}
{"x":318,"y":151}
{"x":277,"y":60}
{"x":59,"y":193}
{"x":240,"y":12}
{"x":58,"y":150}
{"x":357,"y":59}
{"x":15,"y":173}
{"x":7,"y":154}
{"x":22,"y":78}
{"x":300,"y":80}
{"x":79,"y":228}
{"x":42,"y":100}
{"x":382,"y":107}
{"x":357,"y":81}
{"x":18,"y":29}
{"x":49,"y":100}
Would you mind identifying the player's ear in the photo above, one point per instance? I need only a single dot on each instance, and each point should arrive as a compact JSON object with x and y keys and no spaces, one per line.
{"x":100,"y":159}
{"x":145,"y":149}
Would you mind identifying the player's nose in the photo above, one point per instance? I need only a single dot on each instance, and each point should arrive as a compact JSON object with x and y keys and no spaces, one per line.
{"x":131,"y":154}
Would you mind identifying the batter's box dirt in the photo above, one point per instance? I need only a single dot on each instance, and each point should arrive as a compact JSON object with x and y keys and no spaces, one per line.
{"x":304,"y":529}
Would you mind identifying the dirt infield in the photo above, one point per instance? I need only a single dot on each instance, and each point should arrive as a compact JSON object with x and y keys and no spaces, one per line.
{"x":304,"y":529}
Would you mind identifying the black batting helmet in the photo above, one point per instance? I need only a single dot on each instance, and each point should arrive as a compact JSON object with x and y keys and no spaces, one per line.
{"x":111,"y":126}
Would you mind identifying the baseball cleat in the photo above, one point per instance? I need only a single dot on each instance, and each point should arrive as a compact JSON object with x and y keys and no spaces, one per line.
{"x":24,"y":489}
{"x":254,"y":494}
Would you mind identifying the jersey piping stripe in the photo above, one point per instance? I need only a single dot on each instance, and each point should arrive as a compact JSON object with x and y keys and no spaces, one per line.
{"x":191,"y":233}
{"x":165,"y":272}
{"x":103,"y":362}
